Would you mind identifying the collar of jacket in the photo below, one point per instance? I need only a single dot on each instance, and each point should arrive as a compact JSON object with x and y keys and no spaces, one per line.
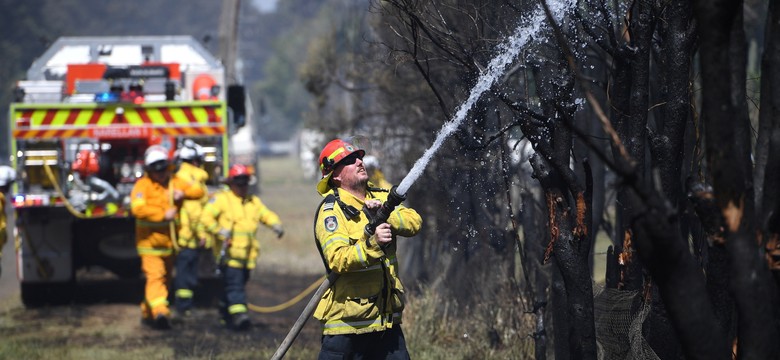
{"x":235,"y":199}
{"x":157,"y":183}
{"x":353,"y":200}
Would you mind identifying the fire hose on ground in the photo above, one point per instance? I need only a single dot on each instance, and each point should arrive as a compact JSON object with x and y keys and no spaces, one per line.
{"x":393,"y":199}
{"x":294,"y":300}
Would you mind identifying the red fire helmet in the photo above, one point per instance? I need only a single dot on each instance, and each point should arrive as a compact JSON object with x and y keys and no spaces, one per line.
{"x":331,"y":155}
{"x":239,"y":170}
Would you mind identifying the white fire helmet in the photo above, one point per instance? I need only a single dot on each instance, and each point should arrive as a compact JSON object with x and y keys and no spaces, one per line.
{"x":190,"y":150}
{"x":7,"y":175}
{"x":156,"y":157}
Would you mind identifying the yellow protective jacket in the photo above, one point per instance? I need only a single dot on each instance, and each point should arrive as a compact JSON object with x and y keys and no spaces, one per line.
{"x":227,"y":213}
{"x":368,"y":295}
{"x":148,"y":201}
{"x":3,"y":224}
{"x":192,"y":209}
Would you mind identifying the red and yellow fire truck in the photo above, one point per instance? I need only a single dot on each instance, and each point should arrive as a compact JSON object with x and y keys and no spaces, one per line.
{"x":113,"y":96}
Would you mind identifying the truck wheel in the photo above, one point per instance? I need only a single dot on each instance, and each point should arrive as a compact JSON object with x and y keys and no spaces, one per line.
{"x":36,"y":295}
{"x":118,"y":254}
{"x":109,"y":243}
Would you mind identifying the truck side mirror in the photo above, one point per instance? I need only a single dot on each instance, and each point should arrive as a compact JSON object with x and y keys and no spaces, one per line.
{"x":236,"y":101}
{"x":18,"y":94}
{"x":170,"y":91}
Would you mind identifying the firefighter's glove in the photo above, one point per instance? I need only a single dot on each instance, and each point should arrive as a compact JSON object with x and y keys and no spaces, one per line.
{"x":278,"y":230}
{"x":224,"y":234}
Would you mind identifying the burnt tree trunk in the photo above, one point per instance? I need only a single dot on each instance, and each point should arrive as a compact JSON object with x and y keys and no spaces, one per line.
{"x":769,"y":123}
{"x":728,"y":144}
{"x":667,"y":145}
{"x":565,"y":199}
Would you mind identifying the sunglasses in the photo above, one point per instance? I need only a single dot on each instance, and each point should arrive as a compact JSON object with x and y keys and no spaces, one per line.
{"x":158,"y":167}
{"x":240,"y":180}
{"x":350,"y":159}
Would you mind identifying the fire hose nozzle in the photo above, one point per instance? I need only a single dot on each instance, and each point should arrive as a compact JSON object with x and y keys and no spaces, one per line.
{"x":393,"y":199}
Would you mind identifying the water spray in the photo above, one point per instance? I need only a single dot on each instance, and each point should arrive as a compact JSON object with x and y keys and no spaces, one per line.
{"x":509,"y":50}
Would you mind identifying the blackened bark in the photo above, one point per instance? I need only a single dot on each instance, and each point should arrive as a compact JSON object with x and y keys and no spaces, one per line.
{"x":634,"y":130}
{"x":717,"y":268}
{"x":641,"y":33}
{"x":675,"y":63}
{"x":680,"y":281}
{"x":718,"y":279}
{"x":561,"y":320}
{"x":677,"y":52}
{"x":571,"y":253}
{"x":770,"y":114}
{"x":768,"y":172}
{"x":769,"y":118}
{"x":727,"y":145}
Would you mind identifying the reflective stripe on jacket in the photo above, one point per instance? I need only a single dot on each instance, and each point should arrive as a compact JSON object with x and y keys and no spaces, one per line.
{"x":368,"y":295}
{"x":191,"y":209}
{"x":240,"y":217}
{"x":148,"y":201}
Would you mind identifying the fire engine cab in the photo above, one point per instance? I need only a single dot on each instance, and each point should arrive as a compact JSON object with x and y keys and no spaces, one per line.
{"x":80,"y":124}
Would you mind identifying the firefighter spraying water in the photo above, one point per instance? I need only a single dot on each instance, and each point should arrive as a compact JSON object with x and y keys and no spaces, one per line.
{"x":364,"y":265}
{"x":508,"y":51}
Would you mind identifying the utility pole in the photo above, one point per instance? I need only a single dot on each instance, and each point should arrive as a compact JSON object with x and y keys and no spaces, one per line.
{"x":228,"y":38}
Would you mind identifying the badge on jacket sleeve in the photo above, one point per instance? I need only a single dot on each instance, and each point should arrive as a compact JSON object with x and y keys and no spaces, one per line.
{"x":331,"y":224}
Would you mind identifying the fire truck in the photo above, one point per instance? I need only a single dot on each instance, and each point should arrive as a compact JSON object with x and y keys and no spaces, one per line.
{"x":113,"y":96}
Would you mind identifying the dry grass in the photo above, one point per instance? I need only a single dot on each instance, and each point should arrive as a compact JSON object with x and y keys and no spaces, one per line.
{"x":436,"y":328}
{"x":294,"y":198}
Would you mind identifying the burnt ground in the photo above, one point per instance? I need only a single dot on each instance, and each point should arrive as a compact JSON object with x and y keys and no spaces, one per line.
{"x":105,"y":314}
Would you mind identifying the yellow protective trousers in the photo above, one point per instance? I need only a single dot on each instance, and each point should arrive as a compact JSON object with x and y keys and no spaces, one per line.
{"x":158,"y":271}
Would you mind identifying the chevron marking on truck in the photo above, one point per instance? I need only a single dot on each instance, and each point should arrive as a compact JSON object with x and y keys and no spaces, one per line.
{"x":79,"y":122}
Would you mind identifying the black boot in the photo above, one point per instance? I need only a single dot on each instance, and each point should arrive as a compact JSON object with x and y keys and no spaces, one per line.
{"x":241,"y":321}
{"x":161,"y":322}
